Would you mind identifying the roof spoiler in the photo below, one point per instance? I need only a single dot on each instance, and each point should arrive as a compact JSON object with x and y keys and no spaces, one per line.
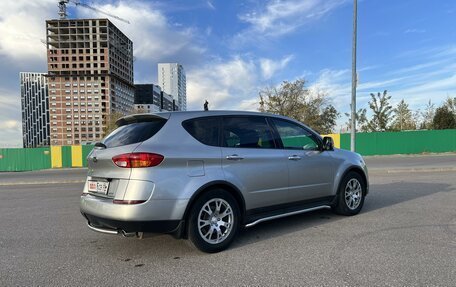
{"x":138,"y":118}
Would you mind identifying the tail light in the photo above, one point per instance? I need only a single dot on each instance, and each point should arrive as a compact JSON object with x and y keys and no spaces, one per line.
{"x":137,"y":159}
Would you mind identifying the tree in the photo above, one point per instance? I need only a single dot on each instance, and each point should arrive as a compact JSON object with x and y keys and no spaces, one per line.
{"x":361,"y":121}
{"x":444,"y":119}
{"x":382,"y":110}
{"x":428,"y":116}
{"x":450,"y":103}
{"x":287,"y":100}
{"x":328,"y":119}
{"x":111,"y":122}
{"x":403,"y":117}
{"x":417,"y":118}
{"x":292,"y":99}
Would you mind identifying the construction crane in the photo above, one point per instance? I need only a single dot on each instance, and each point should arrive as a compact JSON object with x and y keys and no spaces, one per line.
{"x":63,"y":10}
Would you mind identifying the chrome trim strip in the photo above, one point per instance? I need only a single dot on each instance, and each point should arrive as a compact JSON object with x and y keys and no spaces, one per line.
{"x":285,"y":215}
{"x":101,"y":230}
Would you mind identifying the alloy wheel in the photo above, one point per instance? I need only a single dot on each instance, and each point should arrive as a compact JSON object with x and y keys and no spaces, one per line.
{"x":215,"y":220}
{"x":353,"y":193}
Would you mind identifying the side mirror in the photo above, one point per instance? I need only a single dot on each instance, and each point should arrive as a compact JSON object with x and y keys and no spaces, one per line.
{"x":328,"y":143}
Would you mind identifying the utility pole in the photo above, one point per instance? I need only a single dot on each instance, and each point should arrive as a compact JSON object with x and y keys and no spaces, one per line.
{"x":354,"y":82}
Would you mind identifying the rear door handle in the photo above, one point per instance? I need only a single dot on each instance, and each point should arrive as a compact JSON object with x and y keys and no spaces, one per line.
{"x":234,"y":157}
{"x":294,"y":157}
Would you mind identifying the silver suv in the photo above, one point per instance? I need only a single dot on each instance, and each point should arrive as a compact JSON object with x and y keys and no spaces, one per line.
{"x":203,"y":175}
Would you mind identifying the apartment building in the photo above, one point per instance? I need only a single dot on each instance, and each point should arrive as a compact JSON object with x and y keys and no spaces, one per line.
{"x":149,"y":98}
{"x":35,"y":110}
{"x":172,"y":79}
{"x":90,"y":75}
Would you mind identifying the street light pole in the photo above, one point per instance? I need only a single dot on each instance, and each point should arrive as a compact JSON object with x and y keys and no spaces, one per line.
{"x":354,"y":84}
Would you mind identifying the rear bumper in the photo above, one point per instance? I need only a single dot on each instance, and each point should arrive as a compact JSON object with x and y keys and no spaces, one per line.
{"x":117,"y":226}
{"x":149,"y":211}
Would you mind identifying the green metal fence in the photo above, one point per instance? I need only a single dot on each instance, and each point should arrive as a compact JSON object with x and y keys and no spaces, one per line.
{"x":86,"y":149}
{"x":406,"y":142}
{"x":66,"y":156}
{"x":21,"y":159}
{"x":379,"y":143}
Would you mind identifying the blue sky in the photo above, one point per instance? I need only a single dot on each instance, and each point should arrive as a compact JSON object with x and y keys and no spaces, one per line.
{"x":232,"y":49}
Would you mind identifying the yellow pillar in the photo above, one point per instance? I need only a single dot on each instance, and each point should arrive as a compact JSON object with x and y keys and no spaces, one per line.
{"x":76,"y":156}
{"x":56,"y":156}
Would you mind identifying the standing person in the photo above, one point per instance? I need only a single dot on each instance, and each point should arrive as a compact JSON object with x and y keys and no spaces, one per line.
{"x":206,"y":106}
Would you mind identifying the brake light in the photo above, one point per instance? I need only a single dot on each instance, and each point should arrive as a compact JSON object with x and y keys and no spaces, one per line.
{"x":137,"y":159}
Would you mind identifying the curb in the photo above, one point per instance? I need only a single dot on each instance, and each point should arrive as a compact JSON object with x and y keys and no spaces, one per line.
{"x":413,"y":170}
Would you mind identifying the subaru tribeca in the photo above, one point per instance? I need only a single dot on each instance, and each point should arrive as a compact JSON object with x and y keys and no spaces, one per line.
{"x":204,"y":175}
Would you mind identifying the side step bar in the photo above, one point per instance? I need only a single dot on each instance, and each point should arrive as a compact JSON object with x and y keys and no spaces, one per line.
{"x":286,"y":214}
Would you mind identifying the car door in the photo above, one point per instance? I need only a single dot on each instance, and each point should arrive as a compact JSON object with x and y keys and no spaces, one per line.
{"x":311,"y":170}
{"x":252,"y":161}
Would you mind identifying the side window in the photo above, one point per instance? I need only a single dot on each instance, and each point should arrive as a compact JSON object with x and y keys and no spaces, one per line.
{"x":205,"y":130}
{"x":294,"y":136}
{"x":247,"y":132}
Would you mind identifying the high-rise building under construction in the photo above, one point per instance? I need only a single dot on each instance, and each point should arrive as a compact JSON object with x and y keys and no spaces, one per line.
{"x":90,"y":76}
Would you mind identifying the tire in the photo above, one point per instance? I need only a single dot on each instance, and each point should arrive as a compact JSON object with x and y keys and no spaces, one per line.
{"x":350,"y":196}
{"x":213,"y":221}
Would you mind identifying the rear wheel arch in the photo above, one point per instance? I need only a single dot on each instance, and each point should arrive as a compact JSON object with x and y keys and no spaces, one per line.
{"x":234,"y":191}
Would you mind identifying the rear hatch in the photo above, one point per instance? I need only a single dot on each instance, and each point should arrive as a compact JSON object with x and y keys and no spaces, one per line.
{"x":131,"y":132}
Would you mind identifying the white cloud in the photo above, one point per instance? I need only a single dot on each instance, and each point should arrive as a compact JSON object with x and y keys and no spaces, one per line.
{"x":10,"y":124}
{"x":224,"y":84}
{"x":249,"y":104}
{"x":154,"y":37}
{"x":427,"y":53}
{"x":336,"y":83}
{"x":208,"y":31}
{"x":11,"y":138}
{"x":22,"y":26}
{"x":433,"y":89}
{"x":210,"y":5}
{"x":282,"y":17}
{"x":421,"y":66}
{"x":414,"y":31}
{"x":368,"y":86}
{"x":233,"y":83}
{"x":10,"y":119}
{"x":270,"y":67}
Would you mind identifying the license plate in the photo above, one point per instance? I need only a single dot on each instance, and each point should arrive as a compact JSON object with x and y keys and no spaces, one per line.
{"x":99,"y":187}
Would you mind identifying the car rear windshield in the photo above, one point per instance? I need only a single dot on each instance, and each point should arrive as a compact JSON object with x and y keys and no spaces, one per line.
{"x":134,"y":132}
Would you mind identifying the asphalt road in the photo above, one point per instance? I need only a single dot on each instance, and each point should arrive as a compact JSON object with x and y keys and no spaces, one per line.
{"x":57,"y":176}
{"x":405,"y":236}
